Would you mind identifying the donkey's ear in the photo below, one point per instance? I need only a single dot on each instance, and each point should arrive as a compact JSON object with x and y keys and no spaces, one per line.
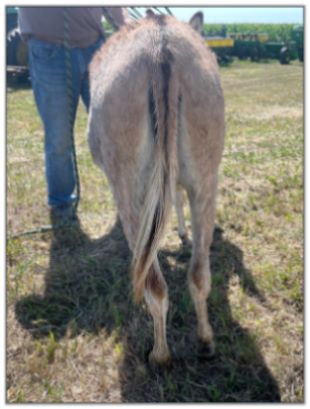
{"x":196,"y":22}
{"x":150,"y":13}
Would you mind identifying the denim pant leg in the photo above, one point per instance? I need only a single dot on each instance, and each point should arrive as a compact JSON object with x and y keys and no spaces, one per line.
{"x":48,"y":75}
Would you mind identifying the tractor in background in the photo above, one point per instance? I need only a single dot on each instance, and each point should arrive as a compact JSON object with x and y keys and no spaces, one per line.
{"x":221,"y":44}
{"x":16,"y":49}
{"x":256,"y":46}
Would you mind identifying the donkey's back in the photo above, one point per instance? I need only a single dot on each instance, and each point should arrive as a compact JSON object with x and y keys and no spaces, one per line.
{"x":157,"y":120}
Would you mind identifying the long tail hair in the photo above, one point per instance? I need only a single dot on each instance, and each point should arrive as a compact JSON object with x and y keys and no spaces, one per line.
{"x":163,"y":106}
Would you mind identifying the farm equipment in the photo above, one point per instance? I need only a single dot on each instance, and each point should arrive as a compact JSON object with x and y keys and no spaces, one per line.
{"x":222,"y":47}
{"x":16,"y":49}
{"x":285,"y":52}
{"x":298,"y":37}
{"x":256,"y":47}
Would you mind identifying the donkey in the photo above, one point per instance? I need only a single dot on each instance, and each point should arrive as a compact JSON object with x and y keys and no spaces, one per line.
{"x":156,"y":121}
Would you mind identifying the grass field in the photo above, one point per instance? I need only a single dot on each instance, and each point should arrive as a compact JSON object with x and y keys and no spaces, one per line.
{"x":73,"y":332}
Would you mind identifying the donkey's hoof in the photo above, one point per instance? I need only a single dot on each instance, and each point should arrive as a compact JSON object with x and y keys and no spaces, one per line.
{"x":206,"y":349}
{"x":161,"y":360}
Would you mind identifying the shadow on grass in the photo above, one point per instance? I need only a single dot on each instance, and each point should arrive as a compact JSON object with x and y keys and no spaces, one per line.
{"x":88,"y":288}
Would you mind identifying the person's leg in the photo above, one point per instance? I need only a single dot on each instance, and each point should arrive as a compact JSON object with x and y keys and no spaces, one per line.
{"x":49,"y":81}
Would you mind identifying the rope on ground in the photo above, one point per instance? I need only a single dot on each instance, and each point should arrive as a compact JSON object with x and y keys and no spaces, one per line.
{"x":41,"y":229}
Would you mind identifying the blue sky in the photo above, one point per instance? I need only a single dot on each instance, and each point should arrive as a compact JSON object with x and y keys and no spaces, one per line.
{"x":242,"y":14}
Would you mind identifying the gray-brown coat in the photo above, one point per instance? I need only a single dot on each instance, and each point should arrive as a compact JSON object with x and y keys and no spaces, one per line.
{"x":157,"y":120}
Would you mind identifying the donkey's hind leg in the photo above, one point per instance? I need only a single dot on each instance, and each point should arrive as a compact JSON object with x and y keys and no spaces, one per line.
{"x":156,"y":298}
{"x":202,"y":203}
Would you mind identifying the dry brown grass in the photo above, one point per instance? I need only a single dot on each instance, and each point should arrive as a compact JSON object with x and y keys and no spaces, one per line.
{"x":73,"y":333}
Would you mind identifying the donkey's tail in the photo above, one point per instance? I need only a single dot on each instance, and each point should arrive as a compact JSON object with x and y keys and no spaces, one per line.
{"x":160,"y":189}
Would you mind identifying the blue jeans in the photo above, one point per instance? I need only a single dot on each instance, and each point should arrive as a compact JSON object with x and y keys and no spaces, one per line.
{"x":49,"y":82}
